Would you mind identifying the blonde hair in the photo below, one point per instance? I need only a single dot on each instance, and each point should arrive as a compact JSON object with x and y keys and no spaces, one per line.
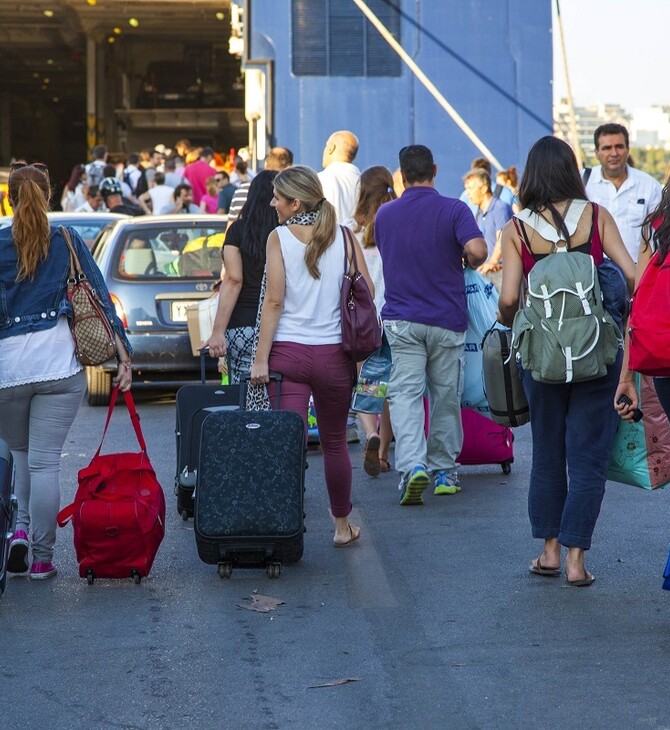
{"x":210,"y":184}
{"x":302,"y":183}
{"x":29,"y":193}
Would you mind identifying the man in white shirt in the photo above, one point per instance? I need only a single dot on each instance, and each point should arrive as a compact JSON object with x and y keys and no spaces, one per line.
{"x":157,"y":197}
{"x":93,"y":202}
{"x":340,"y":177}
{"x":628,"y":194}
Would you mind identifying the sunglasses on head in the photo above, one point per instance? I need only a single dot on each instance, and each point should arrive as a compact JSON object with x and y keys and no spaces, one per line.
{"x":37,"y":165}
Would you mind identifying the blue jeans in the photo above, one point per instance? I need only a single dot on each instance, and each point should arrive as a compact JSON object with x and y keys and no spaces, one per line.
{"x":433,"y":356}
{"x":35,"y":421}
{"x":573,"y":427}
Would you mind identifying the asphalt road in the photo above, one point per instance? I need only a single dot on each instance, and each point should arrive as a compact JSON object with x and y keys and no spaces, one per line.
{"x":433,"y":613}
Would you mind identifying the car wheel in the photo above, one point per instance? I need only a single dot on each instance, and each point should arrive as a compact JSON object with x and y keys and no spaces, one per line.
{"x":99,"y":386}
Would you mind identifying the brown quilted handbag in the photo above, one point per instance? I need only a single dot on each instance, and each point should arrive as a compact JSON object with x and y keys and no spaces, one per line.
{"x":94,"y":341}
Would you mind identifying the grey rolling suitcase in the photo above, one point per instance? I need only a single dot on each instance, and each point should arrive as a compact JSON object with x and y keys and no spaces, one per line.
{"x":8,"y":509}
{"x":502,"y":384}
{"x":250,"y":490}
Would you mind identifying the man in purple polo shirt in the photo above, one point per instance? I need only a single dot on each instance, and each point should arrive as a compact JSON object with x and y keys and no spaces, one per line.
{"x":422,"y":238}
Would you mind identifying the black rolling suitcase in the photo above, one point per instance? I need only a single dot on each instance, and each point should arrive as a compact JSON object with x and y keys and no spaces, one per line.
{"x":194,"y":403}
{"x":8,"y":508}
{"x":250,"y":490}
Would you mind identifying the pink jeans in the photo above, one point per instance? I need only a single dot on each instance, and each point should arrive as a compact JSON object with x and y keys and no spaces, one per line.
{"x":323,"y":371}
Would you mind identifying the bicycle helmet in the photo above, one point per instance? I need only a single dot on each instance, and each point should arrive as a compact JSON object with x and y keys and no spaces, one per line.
{"x":110,"y":186}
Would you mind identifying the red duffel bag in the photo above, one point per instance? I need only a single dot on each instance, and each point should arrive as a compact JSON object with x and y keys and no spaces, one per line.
{"x":118,"y":515}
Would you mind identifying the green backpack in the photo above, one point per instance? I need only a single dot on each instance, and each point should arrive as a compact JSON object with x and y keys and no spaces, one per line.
{"x":564,"y":334}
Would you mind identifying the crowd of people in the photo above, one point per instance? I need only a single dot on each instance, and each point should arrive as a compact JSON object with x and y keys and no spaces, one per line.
{"x":160,"y":181}
{"x":279,"y":307}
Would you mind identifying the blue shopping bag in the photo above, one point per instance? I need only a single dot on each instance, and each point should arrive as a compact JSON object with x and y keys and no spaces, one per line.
{"x":482,"y":301}
{"x":372,"y":385}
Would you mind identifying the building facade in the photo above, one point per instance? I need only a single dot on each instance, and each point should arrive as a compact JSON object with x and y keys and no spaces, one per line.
{"x":320,"y":65}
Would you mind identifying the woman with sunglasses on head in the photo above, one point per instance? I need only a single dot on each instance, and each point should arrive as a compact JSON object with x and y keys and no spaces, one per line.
{"x":301,"y":326}
{"x":41,"y":381}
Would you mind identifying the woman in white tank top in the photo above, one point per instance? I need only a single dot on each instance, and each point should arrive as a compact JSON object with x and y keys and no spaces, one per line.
{"x":300,"y":334}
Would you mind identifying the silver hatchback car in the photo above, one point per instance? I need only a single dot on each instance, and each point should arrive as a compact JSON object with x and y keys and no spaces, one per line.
{"x":154,"y":267}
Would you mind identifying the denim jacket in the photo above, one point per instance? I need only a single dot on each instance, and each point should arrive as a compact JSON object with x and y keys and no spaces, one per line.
{"x":34,"y":305}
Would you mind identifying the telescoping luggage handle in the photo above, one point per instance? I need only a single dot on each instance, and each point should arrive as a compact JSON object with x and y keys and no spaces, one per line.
{"x":245,"y":384}
{"x":204,"y":351}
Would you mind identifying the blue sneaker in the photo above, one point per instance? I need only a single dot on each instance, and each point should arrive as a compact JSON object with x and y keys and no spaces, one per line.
{"x":446,"y":483}
{"x":412,"y":489}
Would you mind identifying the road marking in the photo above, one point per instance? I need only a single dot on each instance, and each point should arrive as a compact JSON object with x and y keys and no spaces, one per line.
{"x":367,"y":583}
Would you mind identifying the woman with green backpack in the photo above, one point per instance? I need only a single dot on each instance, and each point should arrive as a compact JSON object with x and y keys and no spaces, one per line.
{"x":568,"y":347}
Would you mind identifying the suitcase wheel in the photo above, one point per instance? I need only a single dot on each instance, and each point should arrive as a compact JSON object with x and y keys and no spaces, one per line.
{"x":137,"y":578}
{"x":506,"y":467}
{"x":225,"y":570}
{"x":274,"y":570}
{"x":90,"y":577}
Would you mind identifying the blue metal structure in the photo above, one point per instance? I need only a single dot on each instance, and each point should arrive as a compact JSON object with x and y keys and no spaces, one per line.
{"x":491,"y":59}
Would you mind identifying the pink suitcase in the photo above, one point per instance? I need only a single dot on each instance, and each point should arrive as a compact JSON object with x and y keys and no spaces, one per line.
{"x":485,"y":442}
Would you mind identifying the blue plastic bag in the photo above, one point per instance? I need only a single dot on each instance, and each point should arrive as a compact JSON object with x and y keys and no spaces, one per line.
{"x":666,"y":575}
{"x":482,"y":301}
{"x":372,"y":386}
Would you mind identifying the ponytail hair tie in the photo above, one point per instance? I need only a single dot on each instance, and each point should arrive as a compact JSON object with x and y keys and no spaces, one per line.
{"x":321,"y":202}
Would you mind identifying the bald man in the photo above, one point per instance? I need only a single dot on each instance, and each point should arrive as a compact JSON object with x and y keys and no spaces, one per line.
{"x":339,"y":176}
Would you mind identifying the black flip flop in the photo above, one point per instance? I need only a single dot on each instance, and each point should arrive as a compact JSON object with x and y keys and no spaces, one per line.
{"x":539,"y":569}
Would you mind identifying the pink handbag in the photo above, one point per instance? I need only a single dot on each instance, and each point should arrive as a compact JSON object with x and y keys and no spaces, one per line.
{"x":361,"y":327}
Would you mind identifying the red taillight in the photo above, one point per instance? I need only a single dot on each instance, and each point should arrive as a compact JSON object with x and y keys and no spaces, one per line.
{"x":120,"y":313}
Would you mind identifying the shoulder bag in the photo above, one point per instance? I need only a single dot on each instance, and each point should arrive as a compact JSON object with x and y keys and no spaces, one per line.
{"x":361,"y":327}
{"x":94,"y":340}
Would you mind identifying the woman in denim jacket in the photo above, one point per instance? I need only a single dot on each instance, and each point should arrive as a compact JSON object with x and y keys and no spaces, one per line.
{"x":41,"y":381}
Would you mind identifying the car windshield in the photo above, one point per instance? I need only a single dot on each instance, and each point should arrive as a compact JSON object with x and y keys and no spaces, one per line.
{"x":88,"y":231}
{"x":177,"y":253}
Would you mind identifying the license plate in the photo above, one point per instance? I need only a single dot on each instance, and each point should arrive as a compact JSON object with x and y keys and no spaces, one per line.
{"x":178,"y":310}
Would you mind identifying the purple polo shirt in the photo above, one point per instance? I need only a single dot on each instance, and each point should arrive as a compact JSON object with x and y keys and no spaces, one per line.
{"x":420,"y":237}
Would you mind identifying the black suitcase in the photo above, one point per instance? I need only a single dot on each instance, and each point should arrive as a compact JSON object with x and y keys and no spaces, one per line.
{"x":250,"y":490}
{"x":8,"y":509}
{"x":194,"y":403}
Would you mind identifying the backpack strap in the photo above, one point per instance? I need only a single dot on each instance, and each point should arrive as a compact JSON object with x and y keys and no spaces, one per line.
{"x":586,"y":174}
{"x":545,"y":229}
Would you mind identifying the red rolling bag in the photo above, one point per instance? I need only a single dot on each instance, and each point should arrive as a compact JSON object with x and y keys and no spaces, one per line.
{"x":118,"y":514}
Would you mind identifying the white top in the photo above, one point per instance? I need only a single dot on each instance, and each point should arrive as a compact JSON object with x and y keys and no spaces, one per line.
{"x":161,"y":196}
{"x":629,"y":205}
{"x":86,"y":208}
{"x":373,"y":260}
{"x":340,"y":187}
{"x":35,"y":357}
{"x":311,"y":314}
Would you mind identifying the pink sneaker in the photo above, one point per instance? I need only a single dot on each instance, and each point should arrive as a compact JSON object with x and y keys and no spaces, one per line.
{"x":17,"y":562}
{"x":41,"y":571}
